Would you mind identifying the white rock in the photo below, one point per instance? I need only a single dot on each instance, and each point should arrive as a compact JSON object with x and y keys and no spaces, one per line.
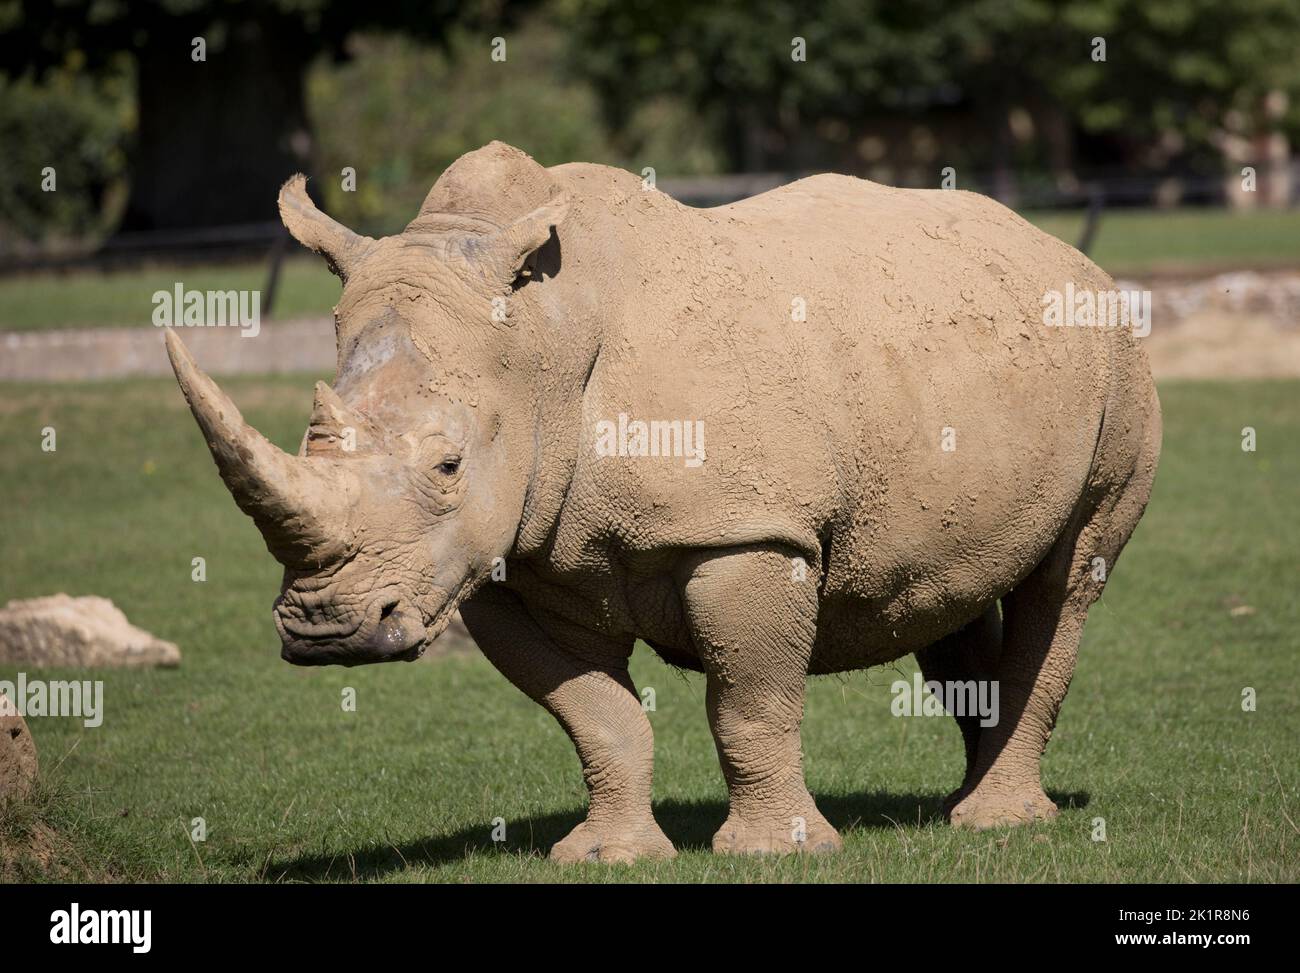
{"x":88,"y":632}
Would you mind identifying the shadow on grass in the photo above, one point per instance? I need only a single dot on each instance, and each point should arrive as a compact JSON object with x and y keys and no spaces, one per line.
{"x":689,"y":824}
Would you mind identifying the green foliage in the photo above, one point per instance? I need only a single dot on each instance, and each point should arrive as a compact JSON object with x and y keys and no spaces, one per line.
{"x":732,"y":61}
{"x":1189,"y":70}
{"x":41,"y":35}
{"x":77,"y":124}
{"x":1152,"y":737}
{"x":1173,"y":68}
{"x":400,"y":112}
{"x":684,"y":87}
{"x":214,"y":139}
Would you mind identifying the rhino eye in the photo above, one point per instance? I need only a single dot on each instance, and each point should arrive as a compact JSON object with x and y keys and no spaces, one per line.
{"x":448,"y":467}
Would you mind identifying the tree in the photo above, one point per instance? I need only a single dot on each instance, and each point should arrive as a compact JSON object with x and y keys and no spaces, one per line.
{"x":736,"y":62}
{"x":1175,"y":73}
{"x":221,"y":114}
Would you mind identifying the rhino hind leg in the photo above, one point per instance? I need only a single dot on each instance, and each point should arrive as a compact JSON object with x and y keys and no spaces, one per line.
{"x":1042,"y":624}
{"x":591,"y":695}
{"x":968,"y":654}
{"x":753,"y":626}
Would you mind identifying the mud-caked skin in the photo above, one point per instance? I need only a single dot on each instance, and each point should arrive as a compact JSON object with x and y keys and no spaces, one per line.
{"x":893,"y":445}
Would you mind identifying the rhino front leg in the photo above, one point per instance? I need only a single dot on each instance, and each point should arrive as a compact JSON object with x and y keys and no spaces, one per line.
{"x":753,"y":619}
{"x":588,"y":690}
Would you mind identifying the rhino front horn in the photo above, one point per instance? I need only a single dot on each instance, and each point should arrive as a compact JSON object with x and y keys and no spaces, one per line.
{"x":299,"y":504}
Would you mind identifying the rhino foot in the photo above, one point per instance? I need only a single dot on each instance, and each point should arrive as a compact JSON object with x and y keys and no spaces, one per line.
{"x":952,"y":800}
{"x":980,"y":810}
{"x":809,"y":833}
{"x":613,"y":841}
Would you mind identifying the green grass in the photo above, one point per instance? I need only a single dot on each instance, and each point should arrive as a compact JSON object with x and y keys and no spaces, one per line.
{"x":1136,"y":241}
{"x":1152,"y":737}
{"x":90,"y":299}
{"x":1128,"y":242}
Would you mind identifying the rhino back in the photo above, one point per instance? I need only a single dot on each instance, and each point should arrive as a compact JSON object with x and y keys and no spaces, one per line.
{"x":834,"y":338}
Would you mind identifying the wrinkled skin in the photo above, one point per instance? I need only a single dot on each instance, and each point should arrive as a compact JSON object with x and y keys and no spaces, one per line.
{"x":827,"y":528}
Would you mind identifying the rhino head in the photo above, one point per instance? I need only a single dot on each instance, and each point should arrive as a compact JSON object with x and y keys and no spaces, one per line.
{"x":412,"y":474}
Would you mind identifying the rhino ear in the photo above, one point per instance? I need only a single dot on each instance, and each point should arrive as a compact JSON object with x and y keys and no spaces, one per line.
{"x":340,"y":247}
{"x":512,"y":247}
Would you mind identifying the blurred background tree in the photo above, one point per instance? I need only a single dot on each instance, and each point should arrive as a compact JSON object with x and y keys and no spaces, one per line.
{"x":1007,"y":92}
{"x":213,"y":137}
{"x":77,"y":122}
{"x":399,"y":112}
{"x":998,"y":86}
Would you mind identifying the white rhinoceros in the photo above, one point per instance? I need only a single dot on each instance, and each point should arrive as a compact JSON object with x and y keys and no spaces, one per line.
{"x":808,"y":432}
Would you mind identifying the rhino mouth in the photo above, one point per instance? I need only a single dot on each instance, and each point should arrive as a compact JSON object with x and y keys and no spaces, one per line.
{"x":390,"y":631}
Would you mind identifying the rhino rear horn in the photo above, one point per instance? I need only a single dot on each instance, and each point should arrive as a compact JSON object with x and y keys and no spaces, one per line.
{"x":299,"y":504}
{"x":340,"y":247}
{"x":332,"y":420}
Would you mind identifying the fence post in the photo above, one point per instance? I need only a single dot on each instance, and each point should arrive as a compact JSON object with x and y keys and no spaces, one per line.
{"x":1096,"y":200}
{"x":273,"y":272}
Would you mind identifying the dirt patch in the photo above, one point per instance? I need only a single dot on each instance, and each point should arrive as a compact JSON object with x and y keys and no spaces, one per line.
{"x":304,"y":345}
{"x":37,"y":852}
{"x":1243,"y":324}
{"x":1223,"y":344}
{"x":33,"y":850}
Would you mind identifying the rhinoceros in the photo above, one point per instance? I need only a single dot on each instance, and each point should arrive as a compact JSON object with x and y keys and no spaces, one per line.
{"x":808,"y":432}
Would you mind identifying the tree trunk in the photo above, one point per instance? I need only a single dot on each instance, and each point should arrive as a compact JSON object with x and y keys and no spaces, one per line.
{"x":217,"y":137}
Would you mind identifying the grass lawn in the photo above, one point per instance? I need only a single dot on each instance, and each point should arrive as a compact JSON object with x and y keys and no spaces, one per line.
{"x":1127,"y":242}
{"x":1152,"y":738}
{"x":1136,"y":241}
{"x":90,"y":299}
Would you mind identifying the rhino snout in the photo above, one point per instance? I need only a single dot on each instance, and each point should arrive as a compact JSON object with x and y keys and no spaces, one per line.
{"x":388,"y":631}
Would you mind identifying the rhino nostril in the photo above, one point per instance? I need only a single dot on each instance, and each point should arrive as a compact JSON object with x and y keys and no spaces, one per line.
{"x":399,"y":631}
